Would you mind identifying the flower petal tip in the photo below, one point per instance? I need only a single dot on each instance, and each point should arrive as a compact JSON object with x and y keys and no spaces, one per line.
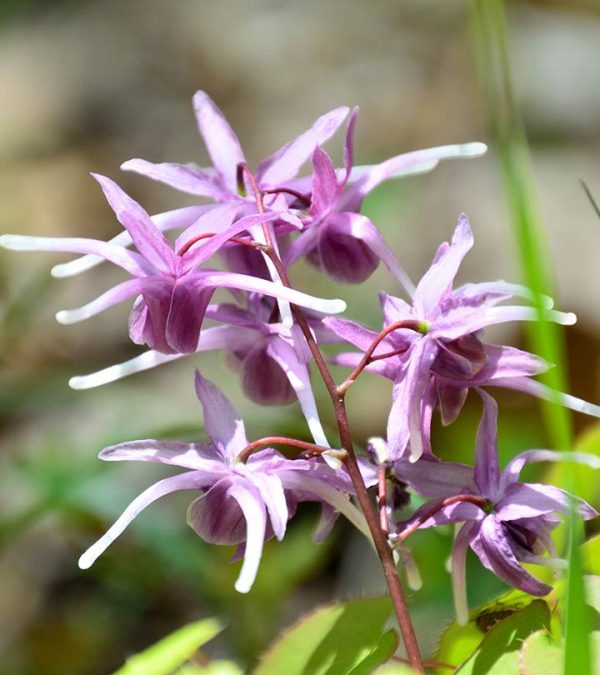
{"x":86,"y":561}
{"x":476,"y":149}
{"x":242,"y":586}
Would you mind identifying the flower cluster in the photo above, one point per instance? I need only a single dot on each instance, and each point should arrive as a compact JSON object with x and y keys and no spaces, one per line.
{"x":431,"y":346}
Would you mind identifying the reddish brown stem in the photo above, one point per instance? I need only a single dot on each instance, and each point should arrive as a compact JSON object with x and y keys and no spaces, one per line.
{"x":207,"y":235}
{"x":382,"y":498}
{"x":368,"y":356}
{"x":294,"y":193}
{"x":380,"y":539}
{"x":414,"y":524}
{"x":279,"y":440}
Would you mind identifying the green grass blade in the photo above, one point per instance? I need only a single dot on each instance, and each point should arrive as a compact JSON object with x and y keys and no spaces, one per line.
{"x":490,"y":39}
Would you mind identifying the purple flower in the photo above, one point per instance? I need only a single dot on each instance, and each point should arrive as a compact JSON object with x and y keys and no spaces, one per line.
{"x":272,"y":358}
{"x":222,"y":183}
{"x":242,"y":503}
{"x":514,"y":521}
{"x":437,"y":364}
{"x":172,"y":293}
{"x":336,"y":237}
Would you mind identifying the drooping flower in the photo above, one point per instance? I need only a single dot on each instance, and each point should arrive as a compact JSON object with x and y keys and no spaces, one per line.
{"x":513,"y":522}
{"x":272,"y":357}
{"x":439,"y":355}
{"x":172,"y":292}
{"x":336,"y":237}
{"x":242,"y":503}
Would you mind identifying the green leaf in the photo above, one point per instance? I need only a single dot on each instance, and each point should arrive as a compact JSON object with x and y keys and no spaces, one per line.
{"x":336,"y":640}
{"x":384,"y":651}
{"x":457,"y":642}
{"x":394,"y":669}
{"x":540,"y":656}
{"x":168,"y":654}
{"x":498,"y":653}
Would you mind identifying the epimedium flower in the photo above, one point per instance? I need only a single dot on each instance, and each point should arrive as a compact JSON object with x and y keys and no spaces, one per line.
{"x":172,"y":293}
{"x":272,"y":357}
{"x":505,"y":522}
{"x":336,"y":237}
{"x":242,"y":503}
{"x":434,"y":352}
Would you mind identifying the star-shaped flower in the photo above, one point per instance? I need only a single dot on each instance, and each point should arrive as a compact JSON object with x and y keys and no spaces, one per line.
{"x":173,"y":293}
{"x":439,"y":355}
{"x":242,"y":503}
{"x":512,"y":521}
{"x":336,"y":237}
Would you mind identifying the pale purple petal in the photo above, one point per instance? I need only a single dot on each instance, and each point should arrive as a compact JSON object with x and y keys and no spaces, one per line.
{"x":349,"y":143}
{"x":203,"y":457}
{"x":199,"y":254}
{"x":256,"y":521}
{"x":343,"y":255}
{"x":404,"y":421}
{"x":326,"y":522}
{"x":297,"y":374}
{"x":184,"y":481}
{"x":216,"y":219}
{"x":184,"y":177}
{"x":252,"y":284}
{"x":437,"y":281}
{"x":401,"y":165}
{"x":495,"y":291}
{"x":513,"y":469}
{"x":219,"y":337}
{"x":301,"y":246}
{"x":186,"y":313}
{"x":321,"y":491}
{"x":362,"y":228}
{"x":451,"y":399}
{"x":464,"y":320}
{"x":531,"y":500}
{"x":509,"y":362}
{"x":540,"y":390}
{"x":216,"y":516}
{"x":324,"y":183}
{"x":487,"y":470}
{"x":284,"y":164}
{"x":118,"y":293}
{"x":434,"y":478}
{"x":130,"y":261}
{"x":221,"y":420}
{"x":273,"y":496}
{"x":458,"y":570}
{"x":264,"y":381}
{"x":148,"y":239}
{"x":500,"y":559}
{"x":355,"y":333}
{"x":169,"y":220}
{"x":221,"y":142}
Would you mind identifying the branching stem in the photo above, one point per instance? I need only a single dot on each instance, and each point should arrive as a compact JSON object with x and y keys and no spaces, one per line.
{"x":337,"y":398}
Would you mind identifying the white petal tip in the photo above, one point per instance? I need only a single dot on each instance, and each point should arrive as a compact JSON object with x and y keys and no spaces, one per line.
{"x":85,"y":561}
{"x":18,"y":242}
{"x":336,"y":306}
{"x":65,"y":317}
{"x":473,"y":149}
{"x":242,"y":587}
{"x":569,"y":319}
{"x":78,"y":382}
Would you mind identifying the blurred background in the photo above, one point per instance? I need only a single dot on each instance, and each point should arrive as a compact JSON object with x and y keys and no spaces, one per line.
{"x":88,"y":84}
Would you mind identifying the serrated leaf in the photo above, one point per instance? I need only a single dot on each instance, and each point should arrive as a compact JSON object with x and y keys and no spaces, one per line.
{"x":498,"y":653}
{"x":164,"y":657}
{"x":333,"y":640}
{"x":540,"y":656}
